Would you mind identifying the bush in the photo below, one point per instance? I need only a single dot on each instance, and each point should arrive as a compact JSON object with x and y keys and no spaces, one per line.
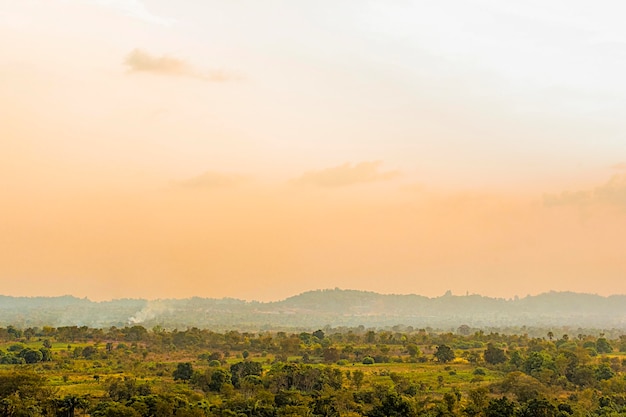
{"x":368,"y":360}
{"x":16,"y":347}
{"x":184,"y":371}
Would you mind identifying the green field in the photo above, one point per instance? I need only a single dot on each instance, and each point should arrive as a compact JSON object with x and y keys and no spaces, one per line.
{"x":347,"y":372}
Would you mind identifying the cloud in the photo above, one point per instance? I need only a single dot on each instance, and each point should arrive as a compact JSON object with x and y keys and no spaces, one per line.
{"x":619,"y":167}
{"x":141,"y":61}
{"x":135,"y":9}
{"x":347,"y":174}
{"x":211,"y":179}
{"x":612,"y":193}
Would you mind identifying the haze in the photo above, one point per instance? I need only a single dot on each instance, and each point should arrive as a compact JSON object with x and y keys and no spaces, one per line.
{"x":159,"y":149}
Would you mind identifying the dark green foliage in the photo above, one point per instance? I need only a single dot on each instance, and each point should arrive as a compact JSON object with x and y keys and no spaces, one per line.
{"x":26,"y":383}
{"x":325,"y":406}
{"x":500,"y":407}
{"x":517,"y":359}
{"x":242,"y":369}
{"x":565,"y":409}
{"x":603,"y":346}
{"x":31,"y":355}
{"x":124,"y":389}
{"x":555,"y":380}
{"x":70,"y":403}
{"x":524,"y":387}
{"x":318,"y":334}
{"x":538,"y":407}
{"x":89,"y":352}
{"x":444,"y":354}
{"x":114,"y":409}
{"x":46,"y":354}
{"x":183,"y":371}
{"x":357,"y":378}
{"x":16,"y":347}
{"x":537,"y":361}
{"x":479,"y":371}
{"x":583,"y":376}
{"x":392,"y":405}
{"x":494,"y":355}
{"x":10,"y":359}
{"x":135,"y":333}
{"x":305,"y":378}
{"x":218,"y":378}
{"x":368,"y":360}
{"x":412,"y":350}
{"x":603,"y":372}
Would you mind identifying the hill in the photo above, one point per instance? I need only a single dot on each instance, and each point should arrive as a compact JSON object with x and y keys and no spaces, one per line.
{"x":314,"y":309}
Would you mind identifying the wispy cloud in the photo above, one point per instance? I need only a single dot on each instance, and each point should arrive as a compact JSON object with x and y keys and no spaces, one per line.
{"x":620,"y":167}
{"x":612,"y":193}
{"x":212,"y":179}
{"x":347,"y":174}
{"x":141,"y":61}
{"x":135,"y":9}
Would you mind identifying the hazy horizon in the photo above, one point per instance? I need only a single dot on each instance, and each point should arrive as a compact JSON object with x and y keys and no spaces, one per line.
{"x":155,"y":149}
{"x":314,"y":290}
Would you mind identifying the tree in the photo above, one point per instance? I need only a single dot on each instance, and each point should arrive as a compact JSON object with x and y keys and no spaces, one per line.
{"x":219,"y":377}
{"x":494,"y":355}
{"x":603,"y":346}
{"x":319,"y":334}
{"x":70,"y":403}
{"x":357,"y":378}
{"x":27,"y":384}
{"x":124,"y":389}
{"x":413,"y":350}
{"x":89,"y":352}
{"x":464,"y":330}
{"x":500,"y":407}
{"x":368,"y":360}
{"x":31,"y":355}
{"x":583,"y":375}
{"x":524,"y":387}
{"x":604,"y":372}
{"x":331,"y":354}
{"x":46,"y":354}
{"x":444,"y":354}
{"x":242,"y":369}
{"x":538,"y":408}
{"x":537,"y":361}
{"x":478,"y":399}
{"x":113,"y":409}
{"x":392,"y":405}
{"x":184,"y":371}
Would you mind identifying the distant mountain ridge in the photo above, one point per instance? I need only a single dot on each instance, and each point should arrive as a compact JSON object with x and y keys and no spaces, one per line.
{"x":318,"y":308}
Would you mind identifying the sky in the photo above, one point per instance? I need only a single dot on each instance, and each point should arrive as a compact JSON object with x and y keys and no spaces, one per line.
{"x":259,"y":149}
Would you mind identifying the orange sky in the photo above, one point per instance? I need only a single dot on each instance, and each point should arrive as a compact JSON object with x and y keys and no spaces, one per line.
{"x":159,"y":149}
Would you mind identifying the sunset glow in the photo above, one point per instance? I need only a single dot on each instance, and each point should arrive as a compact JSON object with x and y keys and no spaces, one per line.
{"x":255,"y":150}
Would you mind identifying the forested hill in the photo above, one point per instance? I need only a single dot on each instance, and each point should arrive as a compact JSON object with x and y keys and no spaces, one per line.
{"x":319,"y":308}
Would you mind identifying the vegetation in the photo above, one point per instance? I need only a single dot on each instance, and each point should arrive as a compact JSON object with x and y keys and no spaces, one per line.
{"x":132,"y":371}
{"x":315,"y":309}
